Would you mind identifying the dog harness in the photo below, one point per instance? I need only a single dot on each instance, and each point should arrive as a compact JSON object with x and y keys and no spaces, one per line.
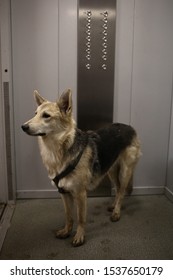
{"x":72,"y":165}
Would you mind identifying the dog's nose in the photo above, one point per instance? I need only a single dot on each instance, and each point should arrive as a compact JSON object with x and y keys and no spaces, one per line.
{"x":25,"y":127}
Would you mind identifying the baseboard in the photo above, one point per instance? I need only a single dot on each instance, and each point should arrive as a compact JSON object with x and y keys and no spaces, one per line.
{"x":146,"y":190}
{"x":54,"y":193}
{"x":169,"y":194}
{"x":37,"y":194}
{"x":5,"y":221}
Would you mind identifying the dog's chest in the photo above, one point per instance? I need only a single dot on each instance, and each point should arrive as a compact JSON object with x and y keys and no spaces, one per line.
{"x":51,"y":158}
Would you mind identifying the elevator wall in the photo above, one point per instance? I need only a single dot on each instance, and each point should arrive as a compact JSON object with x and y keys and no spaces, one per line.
{"x":143,"y":82}
{"x":45,"y":57}
{"x":44,"y":48}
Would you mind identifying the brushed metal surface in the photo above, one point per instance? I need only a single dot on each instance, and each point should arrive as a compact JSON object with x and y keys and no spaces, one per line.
{"x":96,"y":51}
{"x":8,"y":138}
{"x":96,"y":56}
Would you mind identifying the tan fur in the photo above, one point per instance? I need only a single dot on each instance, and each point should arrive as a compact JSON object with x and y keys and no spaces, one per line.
{"x":60,"y":133}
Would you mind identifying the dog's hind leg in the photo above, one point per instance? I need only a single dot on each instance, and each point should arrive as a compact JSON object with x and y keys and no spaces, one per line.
{"x":81,"y":201}
{"x":113,"y":175}
{"x":125,"y":176}
{"x":127,"y":162}
{"x":68,"y":207}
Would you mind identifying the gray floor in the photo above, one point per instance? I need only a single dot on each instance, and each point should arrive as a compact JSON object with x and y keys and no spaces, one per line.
{"x":145,"y":231}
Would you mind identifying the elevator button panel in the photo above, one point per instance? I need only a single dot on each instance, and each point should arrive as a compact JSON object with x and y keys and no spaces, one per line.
{"x":91,"y":25}
{"x":88,"y":39}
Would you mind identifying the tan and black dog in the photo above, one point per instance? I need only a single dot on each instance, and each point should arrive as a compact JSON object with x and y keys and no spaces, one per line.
{"x":77,"y":160}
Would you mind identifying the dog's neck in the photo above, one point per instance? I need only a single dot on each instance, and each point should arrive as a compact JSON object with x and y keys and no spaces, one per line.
{"x":54,"y":150}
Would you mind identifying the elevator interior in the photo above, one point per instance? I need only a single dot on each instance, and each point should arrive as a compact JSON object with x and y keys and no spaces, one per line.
{"x":41,"y":48}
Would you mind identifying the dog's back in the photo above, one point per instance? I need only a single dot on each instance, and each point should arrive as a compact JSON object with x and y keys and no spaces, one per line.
{"x":110,"y":142}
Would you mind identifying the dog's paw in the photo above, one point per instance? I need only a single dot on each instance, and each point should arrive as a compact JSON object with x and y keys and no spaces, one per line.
{"x":115,"y":217}
{"x":78,"y":240}
{"x":63,"y":233}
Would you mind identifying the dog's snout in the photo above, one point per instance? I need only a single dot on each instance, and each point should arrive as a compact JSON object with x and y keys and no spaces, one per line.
{"x":25,"y":127}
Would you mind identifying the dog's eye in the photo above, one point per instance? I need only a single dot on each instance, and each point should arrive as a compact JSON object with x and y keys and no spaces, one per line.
{"x":46,"y":115}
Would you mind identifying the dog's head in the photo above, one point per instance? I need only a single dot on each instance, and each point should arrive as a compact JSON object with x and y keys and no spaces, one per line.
{"x":50,"y":117}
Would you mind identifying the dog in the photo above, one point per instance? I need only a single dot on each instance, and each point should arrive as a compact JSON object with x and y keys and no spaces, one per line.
{"x":78,"y":160}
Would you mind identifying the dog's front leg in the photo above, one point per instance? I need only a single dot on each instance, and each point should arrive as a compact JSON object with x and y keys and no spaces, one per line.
{"x":81,"y":201}
{"x":68,"y":207}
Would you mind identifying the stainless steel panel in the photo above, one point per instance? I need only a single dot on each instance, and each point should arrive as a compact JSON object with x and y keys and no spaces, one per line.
{"x":8,"y":139}
{"x":96,"y":51}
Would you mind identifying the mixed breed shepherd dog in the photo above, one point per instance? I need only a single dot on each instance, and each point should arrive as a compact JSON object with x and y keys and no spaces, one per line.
{"x":78,"y":160}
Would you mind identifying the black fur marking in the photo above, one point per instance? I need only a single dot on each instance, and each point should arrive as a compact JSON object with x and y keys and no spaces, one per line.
{"x":108,"y":143}
{"x":80,"y":142}
{"x":72,"y":165}
{"x":79,"y":137}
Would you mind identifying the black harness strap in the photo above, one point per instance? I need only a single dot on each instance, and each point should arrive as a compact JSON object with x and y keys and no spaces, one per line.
{"x":67,"y":171}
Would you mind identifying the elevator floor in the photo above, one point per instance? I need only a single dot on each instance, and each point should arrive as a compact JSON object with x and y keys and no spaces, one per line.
{"x":145,"y":230}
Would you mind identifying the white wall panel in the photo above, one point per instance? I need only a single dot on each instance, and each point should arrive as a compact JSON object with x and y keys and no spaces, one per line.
{"x":123,"y":60}
{"x":35,"y":66}
{"x":143,"y":80}
{"x":152,"y":86}
{"x":44,"y":40}
{"x":68,"y":48}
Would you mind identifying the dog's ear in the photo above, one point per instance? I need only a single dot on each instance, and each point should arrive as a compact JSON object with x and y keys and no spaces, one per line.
{"x":65,"y":102}
{"x":38,"y":98}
